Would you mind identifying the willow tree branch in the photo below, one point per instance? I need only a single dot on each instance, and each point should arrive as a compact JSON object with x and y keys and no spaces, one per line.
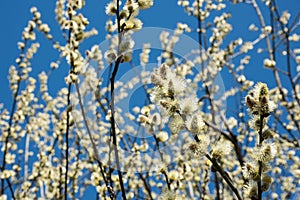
{"x":96,"y":153}
{"x":113,"y":123}
{"x":10,"y":122}
{"x":147,"y":187}
{"x":68,"y":112}
{"x":112,"y":102}
{"x":224,"y":175}
{"x":259,"y":185}
{"x":67,"y":140}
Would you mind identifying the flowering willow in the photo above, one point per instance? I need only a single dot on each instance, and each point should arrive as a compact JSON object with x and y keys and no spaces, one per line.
{"x":150,"y":112}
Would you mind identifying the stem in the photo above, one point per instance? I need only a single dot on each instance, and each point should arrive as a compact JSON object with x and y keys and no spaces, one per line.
{"x":68,"y":112}
{"x":224,"y":176}
{"x":26,"y":156}
{"x":217,"y":186}
{"x":259,"y":162}
{"x":263,"y":25}
{"x":13,"y":109}
{"x":96,"y":154}
{"x":112,"y":103}
{"x":146,"y":186}
{"x":67,"y":140}
{"x":60,"y":183}
{"x":272,"y":55}
{"x":288,"y":56}
{"x":113,"y":128}
{"x":9,"y":132}
{"x":167,"y":180}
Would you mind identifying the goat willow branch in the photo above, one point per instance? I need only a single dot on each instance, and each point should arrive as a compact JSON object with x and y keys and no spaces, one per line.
{"x":224,"y":176}
{"x":95,"y":151}
{"x":113,"y":123}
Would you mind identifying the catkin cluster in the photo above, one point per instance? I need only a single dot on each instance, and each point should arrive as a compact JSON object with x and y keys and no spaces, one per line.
{"x":255,"y":169}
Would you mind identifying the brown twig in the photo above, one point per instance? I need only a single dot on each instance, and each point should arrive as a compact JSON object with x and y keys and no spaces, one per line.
{"x":224,"y":175}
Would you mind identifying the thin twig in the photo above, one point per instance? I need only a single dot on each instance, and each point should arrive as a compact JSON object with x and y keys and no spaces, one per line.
{"x":259,"y":162}
{"x":224,"y":176}
{"x":68,"y":112}
{"x":167,"y":180}
{"x":13,"y":110}
{"x":146,"y":186}
{"x":113,"y":123}
{"x":96,"y":153}
{"x":272,"y":55}
{"x":67,"y":140}
{"x":217,"y":186}
{"x":112,"y":102}
{"x":288,"y":56}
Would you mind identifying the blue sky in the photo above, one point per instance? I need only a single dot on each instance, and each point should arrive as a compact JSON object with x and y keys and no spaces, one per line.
{"x":14,"y":15}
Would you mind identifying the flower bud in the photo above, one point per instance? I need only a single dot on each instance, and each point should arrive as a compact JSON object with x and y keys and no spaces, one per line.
{"x":176,"y":124}
{"x":163,"y":70}
{"x":162,"y":136}
{"x":266,"y":182}
{"x":250,"y":170}
{"x":251,"y":104}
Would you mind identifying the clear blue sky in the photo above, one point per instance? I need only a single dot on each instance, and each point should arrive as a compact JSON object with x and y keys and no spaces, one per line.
{"x":14,"y":15}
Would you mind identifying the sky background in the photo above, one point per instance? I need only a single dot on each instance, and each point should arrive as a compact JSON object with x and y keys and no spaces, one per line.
{"x":14,"y":15}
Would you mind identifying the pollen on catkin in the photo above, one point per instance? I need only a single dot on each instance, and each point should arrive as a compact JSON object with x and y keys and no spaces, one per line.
{"x":266,"y":182}
{"x":250,"y":170}
{"x":199,"y":148}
